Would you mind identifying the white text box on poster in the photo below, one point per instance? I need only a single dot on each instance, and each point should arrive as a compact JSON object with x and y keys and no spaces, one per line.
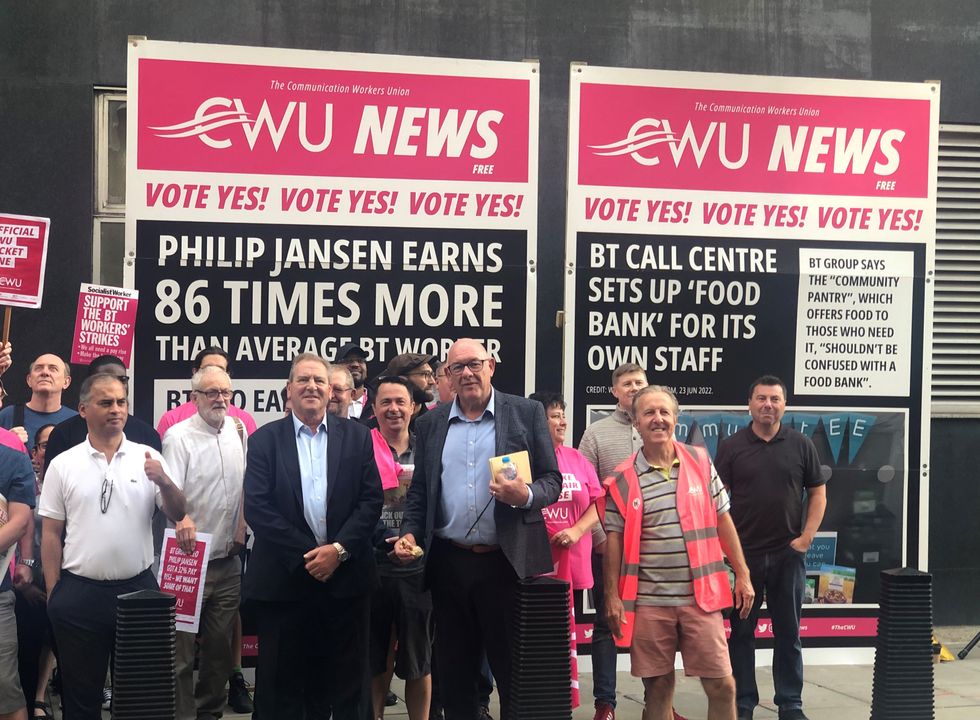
{"x":854,"y":322}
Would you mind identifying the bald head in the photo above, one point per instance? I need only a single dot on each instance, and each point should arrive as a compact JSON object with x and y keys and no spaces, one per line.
{"x":48,"y":378}
{"x":470,"y":369}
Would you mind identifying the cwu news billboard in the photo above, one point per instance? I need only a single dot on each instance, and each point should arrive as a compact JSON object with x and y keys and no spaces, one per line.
{"x":722,"y":227}
{"x":285,"y":201}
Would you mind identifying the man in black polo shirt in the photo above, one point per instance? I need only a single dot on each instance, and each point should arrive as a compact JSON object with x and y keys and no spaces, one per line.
{"x":768,"y":468}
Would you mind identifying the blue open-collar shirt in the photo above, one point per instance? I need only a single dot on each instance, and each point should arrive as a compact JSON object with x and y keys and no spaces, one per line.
{"x":312,"y":451}
{"x":466,"y":477}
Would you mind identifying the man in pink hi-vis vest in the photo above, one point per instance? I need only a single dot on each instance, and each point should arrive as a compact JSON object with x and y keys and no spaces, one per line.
{"x":666,"y":517}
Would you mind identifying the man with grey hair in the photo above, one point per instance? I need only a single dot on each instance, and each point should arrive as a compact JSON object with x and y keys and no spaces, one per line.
{"x":605,"y":444}
{"x":444,"y":387}
{"x":206,"y":455}
{"x":313,"y":499}
{"x":341,"y":390}
{"x":666,"y":585}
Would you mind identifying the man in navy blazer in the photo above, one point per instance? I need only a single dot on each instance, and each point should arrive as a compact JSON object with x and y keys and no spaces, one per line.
{"x":475,"y":559}
{"x":313,"y":498}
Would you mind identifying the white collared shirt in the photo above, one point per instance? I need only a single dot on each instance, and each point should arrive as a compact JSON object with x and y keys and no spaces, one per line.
{"x":357,"y":405}
{"x":116,"y":544}
{"x":209,"y":464}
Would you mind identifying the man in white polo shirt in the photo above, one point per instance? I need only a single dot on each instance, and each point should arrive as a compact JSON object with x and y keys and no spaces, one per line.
{"x":100,"y":496}
{"x":206,"y":454}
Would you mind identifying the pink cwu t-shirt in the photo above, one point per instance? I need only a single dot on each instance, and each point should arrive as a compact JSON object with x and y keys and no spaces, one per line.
{"x":579,"y":489}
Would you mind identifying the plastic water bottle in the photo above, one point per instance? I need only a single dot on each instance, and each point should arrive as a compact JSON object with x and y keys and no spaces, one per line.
{"x":508,"y":468}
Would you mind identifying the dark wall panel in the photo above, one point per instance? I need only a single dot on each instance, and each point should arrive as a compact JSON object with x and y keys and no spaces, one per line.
{"x":954,"y":533}
{"x":47,"y":171}
{"x":912,"y":40}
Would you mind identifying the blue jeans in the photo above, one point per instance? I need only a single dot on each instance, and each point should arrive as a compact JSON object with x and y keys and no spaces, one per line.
{"x":603,"y":646}
{"x":782,"y":575}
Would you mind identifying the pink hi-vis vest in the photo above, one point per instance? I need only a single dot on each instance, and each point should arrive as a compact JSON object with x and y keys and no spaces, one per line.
{"x":699,"y":523}
{"x":388,"y":469}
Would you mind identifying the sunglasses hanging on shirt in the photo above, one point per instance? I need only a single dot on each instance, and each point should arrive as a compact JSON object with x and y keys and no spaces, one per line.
{"x":106,"y":497}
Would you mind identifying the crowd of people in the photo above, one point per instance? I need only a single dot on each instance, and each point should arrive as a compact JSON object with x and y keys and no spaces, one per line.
{"x":374,"y":531}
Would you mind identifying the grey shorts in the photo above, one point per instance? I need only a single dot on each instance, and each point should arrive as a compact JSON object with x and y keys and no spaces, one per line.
{"x":404,"y":603}
{"x":11,"y":695}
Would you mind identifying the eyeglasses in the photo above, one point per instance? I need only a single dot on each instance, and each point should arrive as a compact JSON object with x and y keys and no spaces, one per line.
{"x":106,"y":496}
{"x":422,"y":373}
{"x":41,"y":445}
{"x":474,"y":366}
{"x":339,"y":389}
{"x":215,"y":394}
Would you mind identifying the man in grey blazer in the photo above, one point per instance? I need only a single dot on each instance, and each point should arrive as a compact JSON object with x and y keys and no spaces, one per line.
{"x":475,"y":558}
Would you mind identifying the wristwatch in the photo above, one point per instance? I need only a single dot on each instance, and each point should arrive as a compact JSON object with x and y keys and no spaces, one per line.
{"x":341,"y":552}
{"x":29,"y":562}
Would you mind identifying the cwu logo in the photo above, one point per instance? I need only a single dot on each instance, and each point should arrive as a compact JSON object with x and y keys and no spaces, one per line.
{"x":216,"y":113}
{"x":645,"y":140}
{"x":790,"y":147}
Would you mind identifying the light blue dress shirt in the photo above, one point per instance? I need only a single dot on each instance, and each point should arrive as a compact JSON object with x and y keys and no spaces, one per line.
{"x":466,"y":477}
{"x":312,"y":450}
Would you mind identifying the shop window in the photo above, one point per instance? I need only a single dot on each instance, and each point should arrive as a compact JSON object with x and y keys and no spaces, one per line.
{"x":109,"y":223}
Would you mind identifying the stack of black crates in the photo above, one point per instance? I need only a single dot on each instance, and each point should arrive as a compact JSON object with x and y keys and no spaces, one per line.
{"x":143,"y":678}
{"x":541,"y":661}
{"x":903,"y":674}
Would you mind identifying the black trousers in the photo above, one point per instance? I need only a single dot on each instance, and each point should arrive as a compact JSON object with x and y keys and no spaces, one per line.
{"x":312,"y":659}
{"x":83,"y":617}
{"x":33,"y":635}
{"x":484,"y":684}
{"x":473,"y":601}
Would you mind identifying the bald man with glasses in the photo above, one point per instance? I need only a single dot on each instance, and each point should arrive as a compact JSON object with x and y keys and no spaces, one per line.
{"x":475,"y":559}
